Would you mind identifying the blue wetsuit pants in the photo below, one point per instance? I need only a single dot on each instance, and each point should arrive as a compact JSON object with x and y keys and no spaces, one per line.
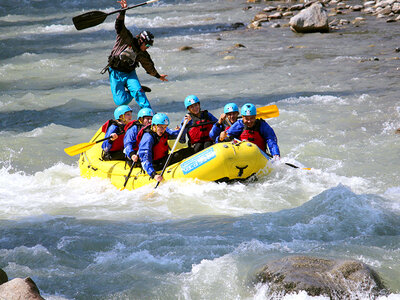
{"x":119,"y":80}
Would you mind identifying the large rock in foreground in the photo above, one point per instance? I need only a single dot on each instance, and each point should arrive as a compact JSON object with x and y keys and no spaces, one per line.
{"x":317,"y":276}
{"x":311,"y":19}
{"x":20,"y":289}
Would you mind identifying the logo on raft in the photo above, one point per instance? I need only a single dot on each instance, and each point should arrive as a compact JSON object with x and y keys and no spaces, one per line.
{"x":198,"y":160}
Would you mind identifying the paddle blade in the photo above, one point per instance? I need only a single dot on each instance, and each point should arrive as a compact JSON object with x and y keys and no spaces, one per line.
{"x":78,"y":149}
{"x":270,"y":111}
{"x":89,"y":19}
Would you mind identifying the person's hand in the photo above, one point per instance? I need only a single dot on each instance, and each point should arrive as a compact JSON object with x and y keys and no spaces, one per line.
{"x":163,"y":77}
{"x":114,"y":136}
{"x":188,"y":117}
{"x":221,"y":118}
{"x":223,"y":136}
{"x":123,"y":3}
{"x":134,"y":158}
{"x":159,"y":178}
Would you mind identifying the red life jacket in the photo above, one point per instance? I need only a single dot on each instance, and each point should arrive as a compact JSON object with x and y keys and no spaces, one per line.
{"x":200,"y":128}
{"x":118,"y":144}
{"x":160,"y":147}
{"x":131,"y":123}
{"x":139,"y":126}
{"x":225,"y":125}
{"x":253,"y":135}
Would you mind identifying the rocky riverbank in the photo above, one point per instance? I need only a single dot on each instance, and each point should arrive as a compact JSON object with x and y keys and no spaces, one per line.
{"x":340,"y":13}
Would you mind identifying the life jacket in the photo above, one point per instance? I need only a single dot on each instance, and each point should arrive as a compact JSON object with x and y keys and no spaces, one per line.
{"x":200,"y":128}
{"x":126,"y":61}
{"x":225,"y":125}
{"x":253,"y":135}
{"x":139,"y":126}
{"x":160,"y":147}
{"x":118,"y":144}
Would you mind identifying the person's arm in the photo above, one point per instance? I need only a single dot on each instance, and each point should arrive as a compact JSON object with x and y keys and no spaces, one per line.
{"x":270,"y":137}
{"x":111,"y":131}
{"x":185,"y":130}
{"x":235,"y":130}
{"x":216,"y":131}
{"x":145,"y":154}
{"x":130,"y":143}
{"x":147,"y":63}
{"x":120,"y":21}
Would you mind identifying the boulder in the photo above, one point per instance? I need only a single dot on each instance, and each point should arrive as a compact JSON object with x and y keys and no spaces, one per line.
{"x":337,"y":279}
{"x":185,"y":48}
{"x":3,"y":277}
{"x":20,"y":289}
{"x":311,"y":19}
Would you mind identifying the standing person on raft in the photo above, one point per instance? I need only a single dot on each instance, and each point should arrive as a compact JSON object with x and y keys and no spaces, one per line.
{"x":127,"y":53}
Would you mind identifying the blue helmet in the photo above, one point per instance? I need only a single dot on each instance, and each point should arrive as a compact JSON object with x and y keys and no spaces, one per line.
{"x":230,"y":107}
{"x":121,"y":110}
{"x":191,"y":99}
{"x":248,"y":110}
{"x":160,"y":119}
{"x":145,"y":112}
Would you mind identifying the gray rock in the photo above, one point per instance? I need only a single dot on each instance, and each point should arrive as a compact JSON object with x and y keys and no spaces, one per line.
{"x":396,"y":8}
{"x":20,"y":289}
{"x":311,"y":19}
{"x":185,"y":48}
{"x":296,"y":7}
{"x":336,"y":279}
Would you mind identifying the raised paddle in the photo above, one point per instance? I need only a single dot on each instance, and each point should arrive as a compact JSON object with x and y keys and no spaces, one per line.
{"x":172,"y":150}
{"x":270,"y":111}
{"x":93,"y":18}
{"x":82,"y":147}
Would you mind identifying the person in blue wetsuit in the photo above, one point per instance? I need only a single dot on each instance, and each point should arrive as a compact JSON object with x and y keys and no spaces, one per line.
{"x":132,"y":129}
{"x":254,"y":130}
{"x":127,"y":53}
{"x":115,"y":128}
{"x":199,"y":126}
{"x":153,"y":146}
{"x":226,"y":120}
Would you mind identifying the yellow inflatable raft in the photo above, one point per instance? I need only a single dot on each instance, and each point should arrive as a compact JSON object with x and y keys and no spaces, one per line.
{"x":220,"y":162}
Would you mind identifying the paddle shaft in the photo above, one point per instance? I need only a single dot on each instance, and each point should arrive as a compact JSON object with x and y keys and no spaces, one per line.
{"x":172,"y":150}
{"x":94,"y":18}
{"x":129,"y":175}
{"x":288,"y":164}
{"x":130,"y":7}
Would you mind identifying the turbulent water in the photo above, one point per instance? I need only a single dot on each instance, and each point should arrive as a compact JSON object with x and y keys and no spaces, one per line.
{"x":83,"y":239}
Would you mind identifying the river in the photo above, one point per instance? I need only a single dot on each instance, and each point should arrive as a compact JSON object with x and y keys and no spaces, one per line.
{"x":83,"y":239}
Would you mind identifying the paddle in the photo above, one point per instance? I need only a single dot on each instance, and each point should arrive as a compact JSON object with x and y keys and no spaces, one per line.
{"x":270,"y":111}
{"x":289,"y":164}
{"x":172,"y":150}
{"x":82,"y":147}
{"x":93,"y":18}
{"x":129,"y":175}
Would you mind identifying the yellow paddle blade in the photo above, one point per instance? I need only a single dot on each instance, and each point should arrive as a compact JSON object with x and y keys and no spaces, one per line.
{"x":270,"y":111}
{"x":78,"y":149}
